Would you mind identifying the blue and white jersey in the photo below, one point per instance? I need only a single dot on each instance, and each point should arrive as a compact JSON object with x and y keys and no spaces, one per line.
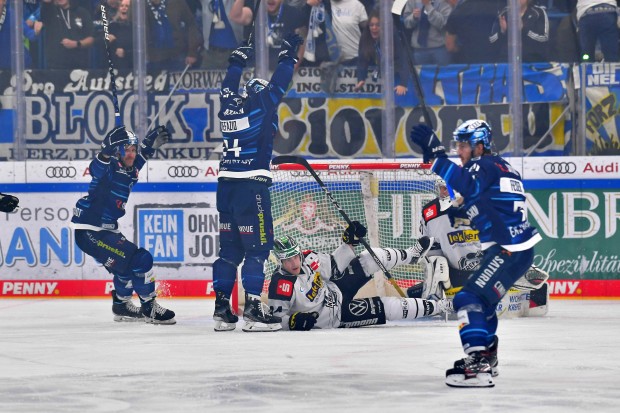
{"x":107,"y":194}
{"x":249,"y":125}
{"x":494,"y":200}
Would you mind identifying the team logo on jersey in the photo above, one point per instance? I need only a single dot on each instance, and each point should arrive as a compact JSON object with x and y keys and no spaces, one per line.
{"x":284,"y":288}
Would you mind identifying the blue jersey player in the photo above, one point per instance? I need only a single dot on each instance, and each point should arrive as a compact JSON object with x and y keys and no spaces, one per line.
{"x":494,"y":201}
{"x":249,"y":122}
{"x":114,"y":172}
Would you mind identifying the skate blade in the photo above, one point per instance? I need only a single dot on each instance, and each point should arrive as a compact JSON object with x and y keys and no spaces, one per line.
{"x":221,"y":325}
{"x":459,"y":380}
{"x":257,"y":327}
{"x":162,"y":322}
{"x":123,"y":318}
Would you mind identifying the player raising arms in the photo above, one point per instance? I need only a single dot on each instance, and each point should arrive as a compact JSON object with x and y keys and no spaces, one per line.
{"x":249,"y":123}
{"x":316,"y":290}
{"x":95,"y":220}
{"x":494,"y":201}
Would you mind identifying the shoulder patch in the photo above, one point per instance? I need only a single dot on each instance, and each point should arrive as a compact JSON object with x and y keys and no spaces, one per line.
{"x":430,"y":211}
{"x":281,"y":286}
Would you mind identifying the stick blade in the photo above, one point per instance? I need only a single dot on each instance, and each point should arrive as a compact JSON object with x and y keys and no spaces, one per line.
{"x":398,"y":6}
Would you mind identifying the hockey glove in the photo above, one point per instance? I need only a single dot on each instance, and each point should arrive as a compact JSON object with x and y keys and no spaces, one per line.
{"x":118,"y":136}
{"x":156,"y":138}
{"x":290,"y":46}
{"x":431,"y":146}
{"x":241,"y":55}
{"x":353,"y":233}
{"x":8,"y":203}
{"x":302,"y":321}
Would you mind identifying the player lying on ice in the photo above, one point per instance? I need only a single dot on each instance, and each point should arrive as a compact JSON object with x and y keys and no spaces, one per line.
{"x":316,"y":290}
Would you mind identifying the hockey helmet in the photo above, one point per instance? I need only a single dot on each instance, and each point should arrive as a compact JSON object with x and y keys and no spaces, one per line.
{"x":474,"y":131}
{"x":133,"y":141}
{"x":253,"y":86}
{"x":285,"y":247}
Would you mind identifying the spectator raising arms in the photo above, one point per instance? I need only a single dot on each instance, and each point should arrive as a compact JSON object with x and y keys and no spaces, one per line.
{"x":428,"y":20}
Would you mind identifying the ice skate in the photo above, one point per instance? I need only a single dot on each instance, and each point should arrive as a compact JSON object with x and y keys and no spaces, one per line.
{"x":124,"y":309}
{"x":472,"y":371}
{"x":490,"y":354}
{"x":224,"y":318}
{"x":258,"y":317}
{"x":156,"y":314}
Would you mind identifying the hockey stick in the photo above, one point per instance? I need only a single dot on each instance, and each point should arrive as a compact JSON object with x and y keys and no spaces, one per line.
{"x":301,"y":161}
{"x":174,"y":88}
{"x":106,"y":35}
{"x":254,"y":14}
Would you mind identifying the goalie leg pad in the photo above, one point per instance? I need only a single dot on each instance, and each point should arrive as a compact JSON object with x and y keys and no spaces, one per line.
{"x":436,"y":277}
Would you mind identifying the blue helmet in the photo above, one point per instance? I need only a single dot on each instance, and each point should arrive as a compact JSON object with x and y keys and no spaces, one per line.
{"x":253,"y":86}
{"x":474,"y":131}
{"x":133,"y":141}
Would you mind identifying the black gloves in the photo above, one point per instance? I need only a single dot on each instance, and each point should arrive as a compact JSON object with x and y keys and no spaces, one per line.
{"x":353,"y":233}
{"x":8,"y":203}
{"x":156,"y":138}
{"x":116,"y":137}
{"x":302,"y":321}
{"x":241,"y":55}
{"x":424,"y":136}
{"x":290,"y":46}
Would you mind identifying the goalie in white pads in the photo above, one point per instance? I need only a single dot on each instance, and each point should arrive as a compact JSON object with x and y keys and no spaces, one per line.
{"x":316,"y":290}
{"x":454,"y":254}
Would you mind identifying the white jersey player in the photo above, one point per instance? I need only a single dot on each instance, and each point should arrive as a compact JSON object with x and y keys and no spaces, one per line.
{"x":316,"y":290}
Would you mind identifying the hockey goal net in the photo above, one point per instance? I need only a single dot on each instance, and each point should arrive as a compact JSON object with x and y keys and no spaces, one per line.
{"x":387,"y":197}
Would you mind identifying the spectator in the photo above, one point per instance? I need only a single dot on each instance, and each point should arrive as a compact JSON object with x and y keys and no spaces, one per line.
{"x":428,"y":19}
{"x":173,"y":38}
{"x":30,"y":33}
{"x":282,"y":18}
{"x":221,"y":34}
{"x":111,"y":9}
{"x":597,"y":22}
{"x":68,"y":34}
{"x":321,"y":45}
{"x":566,"y":41}
{"x":467,"y":31}
{"x":349,"y":18}
{"x":370,"y":54}
{"x":534,"y":33}
{"x":121,"y":37}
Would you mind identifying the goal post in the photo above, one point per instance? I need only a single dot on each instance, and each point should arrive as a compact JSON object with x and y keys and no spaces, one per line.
{"x":387,"y":197}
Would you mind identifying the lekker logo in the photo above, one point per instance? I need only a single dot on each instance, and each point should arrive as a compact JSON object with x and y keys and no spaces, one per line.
{"x":560,"y":168}
{"x":61,"y":172}
{"x":183,"y":171}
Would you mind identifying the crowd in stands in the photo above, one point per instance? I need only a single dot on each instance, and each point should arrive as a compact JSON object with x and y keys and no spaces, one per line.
{"x":201,"y":34}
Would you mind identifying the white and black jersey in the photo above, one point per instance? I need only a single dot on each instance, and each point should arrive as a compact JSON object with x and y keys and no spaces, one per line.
{"x":454,"y":238}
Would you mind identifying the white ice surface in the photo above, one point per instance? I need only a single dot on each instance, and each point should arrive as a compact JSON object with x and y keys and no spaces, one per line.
{"x":63,"y":355}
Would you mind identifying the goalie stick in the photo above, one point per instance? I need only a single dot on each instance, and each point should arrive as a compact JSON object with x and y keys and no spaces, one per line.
{"x":301,"y":161}
{"x":106,"y":35}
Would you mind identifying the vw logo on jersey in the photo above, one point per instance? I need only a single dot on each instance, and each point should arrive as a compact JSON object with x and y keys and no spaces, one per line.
{"x":183,"y":171}
{"x":560,"y":168}
{"x":358,"y":307}
{"x":61,"y":172}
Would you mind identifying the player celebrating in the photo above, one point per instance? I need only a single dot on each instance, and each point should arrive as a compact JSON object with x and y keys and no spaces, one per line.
{"x":249,"y":123}
{"x":8,"y":203}
{"x":311,"y":289}
{"x":494,"y":201}
{"x":95,"y":220}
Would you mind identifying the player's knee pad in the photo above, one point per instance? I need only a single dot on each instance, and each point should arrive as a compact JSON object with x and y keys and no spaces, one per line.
{"x":254,"y":261}
{"x":141,"y":262}
{"x":436,"y":276}
{"x":465,"y":300}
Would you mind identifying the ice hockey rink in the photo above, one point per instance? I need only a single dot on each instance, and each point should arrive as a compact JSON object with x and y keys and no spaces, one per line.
{"x":67,"y":355}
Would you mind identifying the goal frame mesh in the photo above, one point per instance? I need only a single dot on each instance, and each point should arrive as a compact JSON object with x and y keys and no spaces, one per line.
{"x":387,"y":197}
